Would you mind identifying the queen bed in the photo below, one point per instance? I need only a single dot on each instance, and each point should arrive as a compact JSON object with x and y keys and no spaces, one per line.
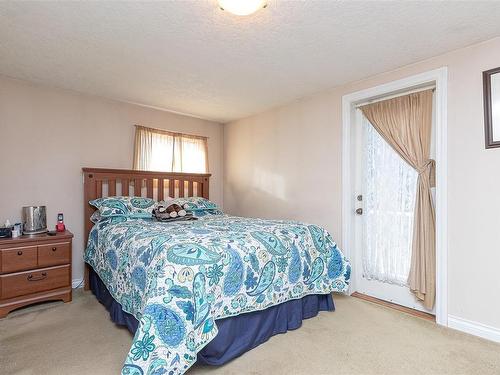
{"x":204,"y":290}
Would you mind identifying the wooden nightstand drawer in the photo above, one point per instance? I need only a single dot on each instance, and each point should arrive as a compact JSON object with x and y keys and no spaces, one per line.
{"x":34,"y":269}
{"x":53,"y":254}
{"x":22,"y":283}
{"x":18,"y":259}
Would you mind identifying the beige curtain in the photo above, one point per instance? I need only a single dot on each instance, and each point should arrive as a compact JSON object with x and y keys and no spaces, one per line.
{"x":405,"y":122}
{"x":165,"y":151}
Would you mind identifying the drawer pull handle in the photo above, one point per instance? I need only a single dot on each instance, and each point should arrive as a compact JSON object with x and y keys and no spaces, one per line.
{"x":31,"y":278}
{"x":19,"y":253}
{"x":54,"y":248}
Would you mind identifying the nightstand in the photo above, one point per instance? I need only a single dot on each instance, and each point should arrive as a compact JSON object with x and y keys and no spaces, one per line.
{"x":34,"y":269}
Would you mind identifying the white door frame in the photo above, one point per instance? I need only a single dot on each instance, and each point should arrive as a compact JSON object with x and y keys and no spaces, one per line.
{"x":440,"y":78}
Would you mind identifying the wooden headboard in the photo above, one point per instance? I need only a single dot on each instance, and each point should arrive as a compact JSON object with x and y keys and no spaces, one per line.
{"x":101,"y":182}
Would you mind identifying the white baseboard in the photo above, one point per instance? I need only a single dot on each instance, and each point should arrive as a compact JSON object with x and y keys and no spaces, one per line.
{"x":474,"y":328}
{"x":77,"y":283}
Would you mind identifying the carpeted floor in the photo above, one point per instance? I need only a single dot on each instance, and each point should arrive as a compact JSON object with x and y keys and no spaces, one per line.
{"x":359,"y":338}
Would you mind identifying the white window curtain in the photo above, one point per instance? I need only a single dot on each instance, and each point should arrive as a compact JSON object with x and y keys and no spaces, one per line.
{"x":164,"y":151}
{"x":389,"y":203}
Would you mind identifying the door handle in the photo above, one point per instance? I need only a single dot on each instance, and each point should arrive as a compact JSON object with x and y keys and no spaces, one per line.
{"x":359,"y":211}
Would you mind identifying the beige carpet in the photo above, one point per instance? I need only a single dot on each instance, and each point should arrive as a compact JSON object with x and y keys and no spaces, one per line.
{"x":359,"y":338}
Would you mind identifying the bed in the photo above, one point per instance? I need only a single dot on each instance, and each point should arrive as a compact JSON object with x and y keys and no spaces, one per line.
{"x":205,"y":290}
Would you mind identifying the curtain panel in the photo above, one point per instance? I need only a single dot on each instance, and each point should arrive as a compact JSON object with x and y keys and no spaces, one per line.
{"x":405,"y":122}
{"x":165,"y":151}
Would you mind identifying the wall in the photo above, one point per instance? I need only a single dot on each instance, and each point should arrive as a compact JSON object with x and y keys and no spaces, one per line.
{"x":286,"y":163}
{"x":47,"y":135}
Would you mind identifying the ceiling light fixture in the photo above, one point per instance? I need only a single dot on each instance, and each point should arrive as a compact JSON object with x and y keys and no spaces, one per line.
{"x":242,"y":7}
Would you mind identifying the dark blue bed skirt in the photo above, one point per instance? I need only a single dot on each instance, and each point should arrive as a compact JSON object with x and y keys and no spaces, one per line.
{"x":237,"y":334}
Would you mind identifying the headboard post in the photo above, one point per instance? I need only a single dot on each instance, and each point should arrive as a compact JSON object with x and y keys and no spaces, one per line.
{"x":100,"y":182}
{"x":205,"y":188}
{"x":89,"y":193}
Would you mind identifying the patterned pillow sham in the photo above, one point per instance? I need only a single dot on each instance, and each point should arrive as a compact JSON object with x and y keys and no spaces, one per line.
{"x":194,"y":203}
{"x":206,"y":212}
{"x":124,"y":206}
{"x":96,"y":216}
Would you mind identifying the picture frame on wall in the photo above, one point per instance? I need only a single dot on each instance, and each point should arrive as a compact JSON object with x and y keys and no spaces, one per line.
{"x":491,"y":97}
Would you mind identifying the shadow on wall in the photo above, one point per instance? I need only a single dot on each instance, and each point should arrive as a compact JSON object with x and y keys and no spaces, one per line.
{"x":266,"y":196}
{"x":264,"y":193}
{"x":269,"y":183}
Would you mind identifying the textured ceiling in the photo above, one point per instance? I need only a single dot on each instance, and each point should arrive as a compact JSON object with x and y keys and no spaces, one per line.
{"x":191,"y":57}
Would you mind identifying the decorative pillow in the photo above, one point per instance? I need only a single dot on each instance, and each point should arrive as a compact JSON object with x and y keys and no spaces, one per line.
{"x":164,"y":211}
{"x":201,"y":213}
{"x":195,"y":203}
{"x":124,"y":206}
{"x":173,"y":212}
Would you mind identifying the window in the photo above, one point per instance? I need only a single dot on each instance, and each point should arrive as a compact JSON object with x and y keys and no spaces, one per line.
{"x":390,"y":187}
{"x":164,"y":151}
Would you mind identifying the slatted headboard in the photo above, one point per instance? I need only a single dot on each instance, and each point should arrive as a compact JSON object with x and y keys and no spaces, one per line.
{"x":100,"y":182}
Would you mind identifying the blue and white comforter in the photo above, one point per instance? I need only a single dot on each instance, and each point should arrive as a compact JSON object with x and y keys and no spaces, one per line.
{"x":178,"y":278}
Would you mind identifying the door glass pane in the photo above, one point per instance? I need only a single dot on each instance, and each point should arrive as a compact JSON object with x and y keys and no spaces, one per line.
{"x":389,"y":188}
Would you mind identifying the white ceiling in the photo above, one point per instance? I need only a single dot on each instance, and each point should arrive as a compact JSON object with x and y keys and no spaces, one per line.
{"x":191,"y":57}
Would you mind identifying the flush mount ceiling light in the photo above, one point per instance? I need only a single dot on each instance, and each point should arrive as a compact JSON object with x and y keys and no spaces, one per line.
{"x":242,"y":7}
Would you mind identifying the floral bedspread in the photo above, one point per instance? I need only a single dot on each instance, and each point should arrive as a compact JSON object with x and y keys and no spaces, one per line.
{"x":178,"y":278}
